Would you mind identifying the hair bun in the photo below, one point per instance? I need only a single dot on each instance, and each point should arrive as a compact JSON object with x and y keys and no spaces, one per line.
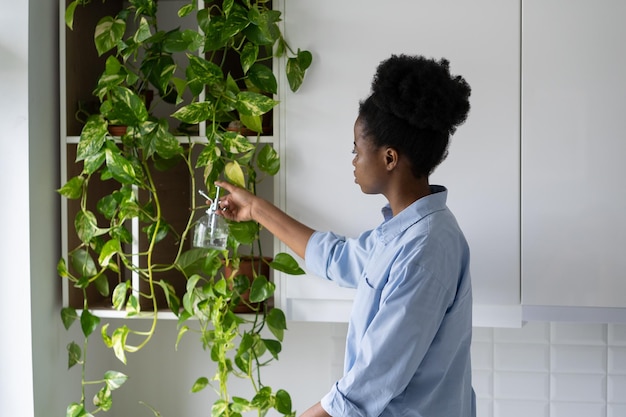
{"x":422,"y":92}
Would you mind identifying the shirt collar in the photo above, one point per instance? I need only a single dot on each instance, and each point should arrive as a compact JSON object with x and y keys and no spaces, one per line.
{"x":392,"y":226}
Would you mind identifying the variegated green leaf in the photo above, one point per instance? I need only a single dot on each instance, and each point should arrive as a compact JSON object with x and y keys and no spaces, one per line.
{"x":249,"y":54}
{"x":268,"y":160}
{"x":234,"y":174}
{"x":82,"y":263}
{"x":103,"y":399}
{"x":72,"y":189}
{"x":119,"y":294}
{"x":235,"y":143}
{"x":118,"y":341}
{"x":121,"y":168}
{"x":250,"y":103}
{"x":110,"y":249}
{"x":92,"y":137}
{"x":109,"y":31}
{"x":114,"y":379}
{"x":263,"y":78}
{"x":194,"y":113}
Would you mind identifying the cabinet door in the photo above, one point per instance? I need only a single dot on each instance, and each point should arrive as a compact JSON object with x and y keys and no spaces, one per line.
{"x":573,"y":149}
{"x":348,"y":40}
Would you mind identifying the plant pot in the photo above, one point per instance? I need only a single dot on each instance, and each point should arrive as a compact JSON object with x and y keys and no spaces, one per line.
{"x":247,"y":265}
{"x":117,"y":130}
{"x":237,"y":126}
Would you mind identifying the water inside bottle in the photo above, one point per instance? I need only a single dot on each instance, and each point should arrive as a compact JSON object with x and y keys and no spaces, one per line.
{"x":211,"y":232}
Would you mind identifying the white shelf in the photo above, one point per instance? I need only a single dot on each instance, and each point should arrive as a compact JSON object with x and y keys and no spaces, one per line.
{"x":182,"y":139}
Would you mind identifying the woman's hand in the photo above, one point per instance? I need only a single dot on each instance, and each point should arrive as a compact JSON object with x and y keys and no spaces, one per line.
{"x":241,"y":205}
{"x":237,"y":204}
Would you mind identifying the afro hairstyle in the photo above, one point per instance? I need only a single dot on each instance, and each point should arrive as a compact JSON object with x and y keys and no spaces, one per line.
{"x":415,"y":106}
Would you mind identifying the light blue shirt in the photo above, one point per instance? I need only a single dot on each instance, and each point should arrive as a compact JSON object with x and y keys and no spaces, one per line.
{"x":408,"y":342}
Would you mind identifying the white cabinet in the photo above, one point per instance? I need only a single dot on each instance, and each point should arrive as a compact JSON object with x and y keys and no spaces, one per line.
{"x":348,"y":40}
{"x":573,"y":150}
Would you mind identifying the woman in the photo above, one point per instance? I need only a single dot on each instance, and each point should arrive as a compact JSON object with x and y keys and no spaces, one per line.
{"x":408,"y":342}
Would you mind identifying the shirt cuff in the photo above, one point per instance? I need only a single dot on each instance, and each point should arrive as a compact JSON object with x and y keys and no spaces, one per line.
{"x":313,"y":254}
{"x":335,"y":404}
{"x":325,"y":403}
{"x":329,"y":404}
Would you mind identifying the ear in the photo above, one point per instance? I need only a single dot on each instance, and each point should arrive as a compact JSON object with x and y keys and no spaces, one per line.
{"x":391,"y":158}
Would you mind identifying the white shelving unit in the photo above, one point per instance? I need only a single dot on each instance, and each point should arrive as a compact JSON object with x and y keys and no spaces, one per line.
{"x":78,"y":76}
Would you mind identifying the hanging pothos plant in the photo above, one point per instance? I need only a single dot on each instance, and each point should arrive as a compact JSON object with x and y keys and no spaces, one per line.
{"x":229,"y":80}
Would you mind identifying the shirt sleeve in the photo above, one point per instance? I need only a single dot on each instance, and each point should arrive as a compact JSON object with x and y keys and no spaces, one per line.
{"x":336,"y":258}
{"x":412,"y":306}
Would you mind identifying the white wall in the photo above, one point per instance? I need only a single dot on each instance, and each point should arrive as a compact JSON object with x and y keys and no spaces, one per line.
{"x":15,"y":359}
{"x":311,"y":360}
{"x":32,"y":362}
{"x":49,"y":356}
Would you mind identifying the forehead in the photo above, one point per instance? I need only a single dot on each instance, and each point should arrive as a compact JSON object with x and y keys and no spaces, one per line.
{"x":360,"y":135}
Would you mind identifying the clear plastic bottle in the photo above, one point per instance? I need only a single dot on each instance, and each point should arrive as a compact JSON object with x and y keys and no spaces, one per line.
{"x":211,"y":231}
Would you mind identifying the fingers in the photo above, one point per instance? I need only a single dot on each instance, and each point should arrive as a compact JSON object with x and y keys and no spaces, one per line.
{"x":225,"y":185}
{"x":224,"y":206}
{"x":236,"y":204}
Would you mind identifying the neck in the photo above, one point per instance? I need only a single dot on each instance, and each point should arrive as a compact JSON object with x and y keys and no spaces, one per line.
{"x":406,"y":194}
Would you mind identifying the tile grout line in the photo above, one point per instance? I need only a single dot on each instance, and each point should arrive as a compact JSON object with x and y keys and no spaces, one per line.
{"x":550,"y":379}
{"x":606,"y":371}
{"x":493,"y":373}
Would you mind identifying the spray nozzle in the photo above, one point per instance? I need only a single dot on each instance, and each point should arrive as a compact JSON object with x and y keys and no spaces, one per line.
{"x":214,"y":201}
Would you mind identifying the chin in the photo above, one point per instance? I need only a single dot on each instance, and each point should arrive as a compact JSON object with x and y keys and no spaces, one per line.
{"x":365,"y":190}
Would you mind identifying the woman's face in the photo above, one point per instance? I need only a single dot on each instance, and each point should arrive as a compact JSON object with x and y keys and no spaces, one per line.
{"x":370,"y":170}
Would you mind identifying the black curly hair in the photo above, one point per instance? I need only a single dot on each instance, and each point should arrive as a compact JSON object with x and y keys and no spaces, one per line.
{"x":414,"y":107}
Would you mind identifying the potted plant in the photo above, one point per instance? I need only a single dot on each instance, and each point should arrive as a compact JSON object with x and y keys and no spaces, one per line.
{"x":228,"y":80}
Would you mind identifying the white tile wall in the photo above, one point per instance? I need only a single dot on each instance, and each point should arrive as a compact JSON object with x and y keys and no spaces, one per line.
{"x":550,"y":370}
